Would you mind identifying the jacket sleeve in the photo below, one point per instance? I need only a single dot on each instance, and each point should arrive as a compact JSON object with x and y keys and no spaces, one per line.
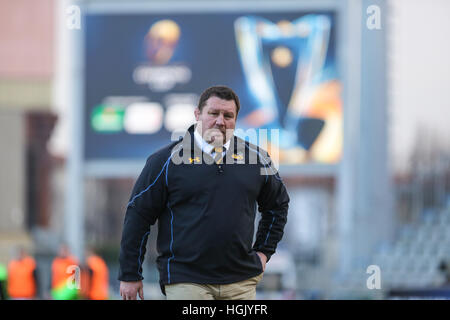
{"x":146,"y":203}
{"x":273,"y":203}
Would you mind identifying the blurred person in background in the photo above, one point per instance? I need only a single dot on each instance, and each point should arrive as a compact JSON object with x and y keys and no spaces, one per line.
{"x":205,"y":210}
{"x":3,"y":282}
{"x":22,"y":276}
{"x":444,"y":268}
{"x":63,"y":266}
{"x":96,"y":281}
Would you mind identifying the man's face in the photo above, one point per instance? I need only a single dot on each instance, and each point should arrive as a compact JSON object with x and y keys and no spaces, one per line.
{"x":217,"y":120}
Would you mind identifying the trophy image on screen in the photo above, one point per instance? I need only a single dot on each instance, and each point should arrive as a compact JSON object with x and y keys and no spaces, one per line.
{"x":283,"y":64}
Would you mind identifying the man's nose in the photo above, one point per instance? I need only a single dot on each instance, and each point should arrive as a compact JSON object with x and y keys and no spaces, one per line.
{"x":220,"y":121}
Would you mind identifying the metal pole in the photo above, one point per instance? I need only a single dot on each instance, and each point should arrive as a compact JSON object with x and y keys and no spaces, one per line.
{"x":350,"y":53}
{"x":74,"y":211}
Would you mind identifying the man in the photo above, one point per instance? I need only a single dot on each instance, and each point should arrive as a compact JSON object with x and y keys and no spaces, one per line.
{"x":62,"y":265}
{"x":22,"y":278}
{"x":205,"y":206}
{"x":98,"y":281}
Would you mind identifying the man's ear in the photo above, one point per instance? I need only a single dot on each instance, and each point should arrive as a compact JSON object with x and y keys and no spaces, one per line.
{"x":197,"y":113}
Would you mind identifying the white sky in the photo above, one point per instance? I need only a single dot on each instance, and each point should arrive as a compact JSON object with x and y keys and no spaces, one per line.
{"x":419,"y":77}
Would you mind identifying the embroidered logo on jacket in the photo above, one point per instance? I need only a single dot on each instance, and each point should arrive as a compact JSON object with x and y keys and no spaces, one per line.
{"x":196,"y":160}
{"x":239,"y":158}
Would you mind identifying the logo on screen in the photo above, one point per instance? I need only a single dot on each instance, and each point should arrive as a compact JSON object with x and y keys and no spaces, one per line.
{"x":161,"y":41}
{"x":160,"y":73}
{"x":291,"y":84}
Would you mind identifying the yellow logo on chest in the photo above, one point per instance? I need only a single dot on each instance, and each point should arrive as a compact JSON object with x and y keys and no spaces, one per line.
{"x":196,"y":160}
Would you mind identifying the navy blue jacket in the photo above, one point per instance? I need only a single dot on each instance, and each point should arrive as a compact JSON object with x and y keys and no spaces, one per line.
{"x":205,"y":213}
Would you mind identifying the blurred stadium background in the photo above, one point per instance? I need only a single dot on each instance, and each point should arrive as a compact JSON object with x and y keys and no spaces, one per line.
{"x":358,"y":89}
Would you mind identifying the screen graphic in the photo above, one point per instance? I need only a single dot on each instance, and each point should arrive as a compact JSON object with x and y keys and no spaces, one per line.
{"x":144,"y":74}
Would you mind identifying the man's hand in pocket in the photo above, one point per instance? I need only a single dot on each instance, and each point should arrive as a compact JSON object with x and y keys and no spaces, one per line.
{"x":263,"y":259}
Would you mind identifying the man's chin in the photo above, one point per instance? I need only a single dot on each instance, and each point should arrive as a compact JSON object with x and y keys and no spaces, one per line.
{"x":218,"y":139}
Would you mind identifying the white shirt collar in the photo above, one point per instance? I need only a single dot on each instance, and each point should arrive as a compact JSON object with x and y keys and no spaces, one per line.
{"x":206,"y":147}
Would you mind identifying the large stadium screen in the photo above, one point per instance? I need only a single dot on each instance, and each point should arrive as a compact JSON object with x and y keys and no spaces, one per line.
{"x":144,"y":74}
